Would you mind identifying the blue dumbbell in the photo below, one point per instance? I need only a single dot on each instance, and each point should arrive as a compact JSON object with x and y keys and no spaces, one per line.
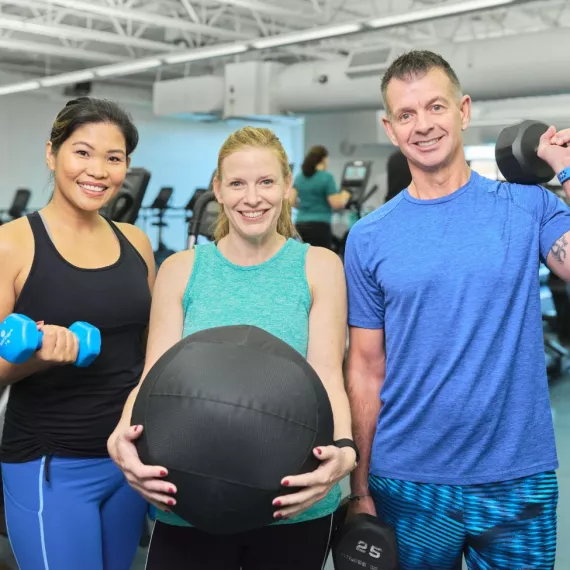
{"x":20,"y":338}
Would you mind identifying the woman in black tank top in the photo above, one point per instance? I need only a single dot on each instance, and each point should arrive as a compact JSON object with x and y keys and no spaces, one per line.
{"x":67,"y":505}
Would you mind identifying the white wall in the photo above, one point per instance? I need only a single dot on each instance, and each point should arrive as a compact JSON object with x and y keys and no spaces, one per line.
{"x":25,"y":122}
{"x":179,"y":153}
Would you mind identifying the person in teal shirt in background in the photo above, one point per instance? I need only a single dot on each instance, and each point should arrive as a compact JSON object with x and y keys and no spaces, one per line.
{"x":315,"y":195}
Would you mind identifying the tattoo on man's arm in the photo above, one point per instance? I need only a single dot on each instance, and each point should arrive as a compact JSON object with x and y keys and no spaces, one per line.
{"x":559,"y":250}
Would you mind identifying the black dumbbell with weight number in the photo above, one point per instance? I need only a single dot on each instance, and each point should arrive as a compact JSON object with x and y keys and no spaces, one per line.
{"x":516,"y":154}
{"x":363,"y":541}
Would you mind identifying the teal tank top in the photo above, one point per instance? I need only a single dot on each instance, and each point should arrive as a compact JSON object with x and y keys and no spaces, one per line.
{"x":274,"y":296}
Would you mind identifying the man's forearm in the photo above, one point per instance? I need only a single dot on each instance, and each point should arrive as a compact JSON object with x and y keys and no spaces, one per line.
{"x":12,"y":373}
{"x":365,"y":406}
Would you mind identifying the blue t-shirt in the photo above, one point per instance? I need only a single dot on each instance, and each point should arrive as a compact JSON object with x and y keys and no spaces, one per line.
{"x":454,"y":284}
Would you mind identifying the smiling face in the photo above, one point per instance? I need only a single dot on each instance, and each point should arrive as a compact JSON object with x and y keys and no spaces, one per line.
{"x":90,"y":166}
{"x":252,"y":190}
{"x":426,"y":118}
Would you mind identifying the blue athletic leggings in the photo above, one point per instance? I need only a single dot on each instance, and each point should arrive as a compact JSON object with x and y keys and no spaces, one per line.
{"x":500,"y":526}
{"x":71,"y":514}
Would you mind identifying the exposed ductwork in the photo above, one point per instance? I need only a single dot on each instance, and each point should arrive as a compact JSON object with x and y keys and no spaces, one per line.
{"x":507,"y":67}
{"x":517,"y":66}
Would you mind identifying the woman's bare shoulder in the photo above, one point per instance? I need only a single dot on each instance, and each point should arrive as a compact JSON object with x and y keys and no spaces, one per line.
{"x":323,"y":263}
{"x":140,"y":241}
{"x":16,"y":239}
{"x":177,"y":267}
{"x":324,"y":270}
{"x":16,"y":252}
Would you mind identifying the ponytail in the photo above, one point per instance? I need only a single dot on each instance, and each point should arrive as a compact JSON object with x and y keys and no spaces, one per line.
{"x":315,"y":155}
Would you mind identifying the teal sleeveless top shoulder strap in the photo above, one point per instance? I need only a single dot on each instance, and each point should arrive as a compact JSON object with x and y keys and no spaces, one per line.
{"x":273,"y":295}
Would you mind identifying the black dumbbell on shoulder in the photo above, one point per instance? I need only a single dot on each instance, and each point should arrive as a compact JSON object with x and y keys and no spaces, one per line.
{"x":516,"y":154}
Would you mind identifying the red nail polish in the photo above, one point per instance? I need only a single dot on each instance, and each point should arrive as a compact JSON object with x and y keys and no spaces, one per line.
{"x":171,"y":490}
{"x":279,"y":516}
{"x":276,"y":503}
{"x":171,"y":503}
{"x":163,"y":473}
{"x":319,"y":451}
{"x":286,"y":483}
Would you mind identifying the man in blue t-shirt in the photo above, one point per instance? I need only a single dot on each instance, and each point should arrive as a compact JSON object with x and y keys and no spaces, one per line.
{"x":446,"y":369}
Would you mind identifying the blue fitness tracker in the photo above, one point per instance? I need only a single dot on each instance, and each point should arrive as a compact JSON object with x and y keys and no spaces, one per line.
{"x":564,"y":175}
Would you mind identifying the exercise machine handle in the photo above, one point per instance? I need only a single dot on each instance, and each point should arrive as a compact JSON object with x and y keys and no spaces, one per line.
{"x":197,"y":215}
{"x":369,"y":193}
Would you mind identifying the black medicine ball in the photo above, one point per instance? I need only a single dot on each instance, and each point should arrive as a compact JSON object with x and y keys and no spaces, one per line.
{"x":230,"y":411}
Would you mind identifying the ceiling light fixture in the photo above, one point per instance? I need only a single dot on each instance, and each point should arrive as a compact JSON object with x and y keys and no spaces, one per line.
{"x":306,"y":36}
{"x":128,"y":67}
{"x":19,"y":87}
{"x":205,"y":53}
{"x":66,"y":78}
{"x":437,"y":12}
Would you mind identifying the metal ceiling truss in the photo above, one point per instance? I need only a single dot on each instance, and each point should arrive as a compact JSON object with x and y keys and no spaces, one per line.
{"x":70,"y":35}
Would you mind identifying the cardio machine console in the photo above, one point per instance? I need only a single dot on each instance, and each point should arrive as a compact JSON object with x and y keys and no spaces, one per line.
{"x":355,"y":177}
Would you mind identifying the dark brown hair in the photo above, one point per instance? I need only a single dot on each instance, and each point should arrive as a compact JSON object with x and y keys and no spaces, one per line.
{"x":315,"y":155}
{"x":87,"y":110}
{"x":417,"y":63}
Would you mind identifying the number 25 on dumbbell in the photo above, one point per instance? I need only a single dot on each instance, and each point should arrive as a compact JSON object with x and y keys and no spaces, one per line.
{"x":372,"y":551}
{"x":364,"y":541}
{"x":20,"y":339}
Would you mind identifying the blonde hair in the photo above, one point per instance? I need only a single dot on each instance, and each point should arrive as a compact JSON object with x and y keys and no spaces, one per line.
{"x":257,"y":138}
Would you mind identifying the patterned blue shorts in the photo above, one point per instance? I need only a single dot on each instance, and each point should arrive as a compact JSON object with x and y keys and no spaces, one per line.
{"x":500,"y":526}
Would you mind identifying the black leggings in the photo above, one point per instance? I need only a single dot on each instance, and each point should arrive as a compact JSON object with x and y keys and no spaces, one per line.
{"x":318,"y":234}
{"x":296,"y":546}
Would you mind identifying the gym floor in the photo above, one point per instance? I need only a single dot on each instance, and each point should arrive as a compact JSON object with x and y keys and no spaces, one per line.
{"x":560,"y":399}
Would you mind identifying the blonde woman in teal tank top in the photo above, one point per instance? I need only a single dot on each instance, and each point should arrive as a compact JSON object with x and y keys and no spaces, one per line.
{"x":254,"y":273}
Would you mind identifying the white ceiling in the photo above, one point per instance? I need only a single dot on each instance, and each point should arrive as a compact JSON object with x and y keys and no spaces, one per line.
{"x":39,"y":38}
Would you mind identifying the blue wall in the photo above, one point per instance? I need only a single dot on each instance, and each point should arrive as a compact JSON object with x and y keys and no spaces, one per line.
{"x":183,"y":154}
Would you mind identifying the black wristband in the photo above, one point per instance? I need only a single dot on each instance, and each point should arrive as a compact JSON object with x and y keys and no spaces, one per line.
{"x":357,"y":497}
{"x":348,"y":443}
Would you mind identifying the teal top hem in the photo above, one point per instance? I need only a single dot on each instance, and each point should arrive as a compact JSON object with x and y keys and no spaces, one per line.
{"x":313,"y":217}
{"x":325,"y":507}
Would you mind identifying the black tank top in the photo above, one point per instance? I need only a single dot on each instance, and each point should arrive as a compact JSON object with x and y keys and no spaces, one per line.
{"x":68,"y":411}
